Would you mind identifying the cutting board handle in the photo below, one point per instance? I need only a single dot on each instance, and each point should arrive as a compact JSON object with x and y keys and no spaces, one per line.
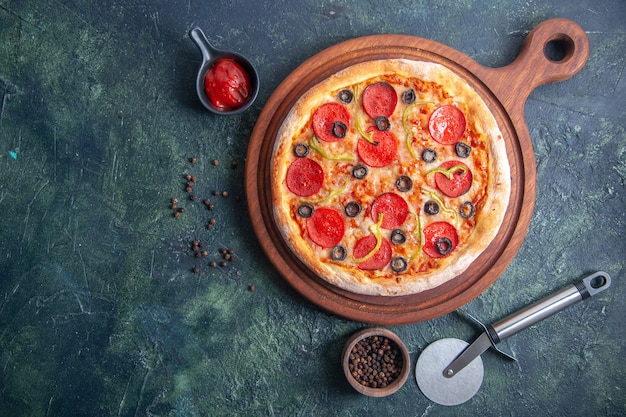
{"x":553,"y":51}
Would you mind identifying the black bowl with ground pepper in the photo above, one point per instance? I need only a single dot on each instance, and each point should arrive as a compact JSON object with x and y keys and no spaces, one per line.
{"x":376,"y":362}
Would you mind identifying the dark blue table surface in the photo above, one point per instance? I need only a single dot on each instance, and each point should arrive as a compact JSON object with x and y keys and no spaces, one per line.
{"x":100,"y":312}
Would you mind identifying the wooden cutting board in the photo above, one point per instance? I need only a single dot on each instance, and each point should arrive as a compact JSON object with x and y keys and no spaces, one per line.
{"x":505,"y":91}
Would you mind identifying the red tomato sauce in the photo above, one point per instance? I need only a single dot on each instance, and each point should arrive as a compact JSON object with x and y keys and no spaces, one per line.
{"x":227,"y":85}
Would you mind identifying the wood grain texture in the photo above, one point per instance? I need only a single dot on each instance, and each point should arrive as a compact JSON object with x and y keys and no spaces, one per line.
{"x":505,"y":91}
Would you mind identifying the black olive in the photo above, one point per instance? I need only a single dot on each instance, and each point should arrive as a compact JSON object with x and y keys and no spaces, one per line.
{"x":345,"y":96}
{"x":338,"y":253}
{"x":397,"y":237}
{"x":431,"y":207}
{"x":399,"y":264}
{"x":444,"y":245}
{"x":462,"y":149}
{"x":404,"y":183}
{"x":467,"y":210}
{"x":340,"y":129}
{"x":359,"y":171}
{"x":429,"y":155}
{"x":408,"y":96}
{"x":382,"y":123}
{"x":305,"y":210}
{"x":301,"y":150}
{"x":352,"y":209}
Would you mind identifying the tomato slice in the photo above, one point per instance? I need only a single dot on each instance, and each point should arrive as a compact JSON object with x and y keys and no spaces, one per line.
{"x":382,"y":152}
{"x":447,"y":124}
{"x":304,"y":177}
{"x":393,"y":208}
{"x":331,"y":122}
{"x":326,"y":227}
{"x":379,"y":99}
{"x":440,"y":239}
{"x":461,"y":180}
{"x":367,"y":244}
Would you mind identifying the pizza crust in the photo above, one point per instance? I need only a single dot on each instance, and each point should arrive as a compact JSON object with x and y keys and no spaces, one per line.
{"x":383,"y":283}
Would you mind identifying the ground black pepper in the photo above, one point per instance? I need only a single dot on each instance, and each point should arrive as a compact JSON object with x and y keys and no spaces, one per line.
{"x":375,"y":361}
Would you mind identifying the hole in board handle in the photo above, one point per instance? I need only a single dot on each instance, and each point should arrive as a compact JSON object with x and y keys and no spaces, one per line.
{"x":558,"y":49}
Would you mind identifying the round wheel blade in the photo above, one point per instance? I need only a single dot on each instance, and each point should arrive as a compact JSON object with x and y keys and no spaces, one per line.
{"x":447,"y":391}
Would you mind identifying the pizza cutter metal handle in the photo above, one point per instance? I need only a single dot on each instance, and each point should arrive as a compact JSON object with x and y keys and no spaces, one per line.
{"x":591,"y":285}
{"x":549,"y":306}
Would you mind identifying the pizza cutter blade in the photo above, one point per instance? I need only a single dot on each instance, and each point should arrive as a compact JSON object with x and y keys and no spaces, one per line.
{"x":450,"y":371}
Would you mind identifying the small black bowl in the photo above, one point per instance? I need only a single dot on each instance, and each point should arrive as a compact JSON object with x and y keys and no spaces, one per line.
{"x":210,"y":55}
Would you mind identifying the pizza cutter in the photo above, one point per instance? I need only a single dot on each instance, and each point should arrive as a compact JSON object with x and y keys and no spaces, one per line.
{"x":450,"y":371}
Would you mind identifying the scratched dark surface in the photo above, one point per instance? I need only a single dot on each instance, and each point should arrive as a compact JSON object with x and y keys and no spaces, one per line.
{"x":100,"y":314}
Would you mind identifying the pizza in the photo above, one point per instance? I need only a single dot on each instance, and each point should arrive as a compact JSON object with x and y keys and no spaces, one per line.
{"x":389,"y":177}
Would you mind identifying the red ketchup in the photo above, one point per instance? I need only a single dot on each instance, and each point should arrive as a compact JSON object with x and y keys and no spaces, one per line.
{"x":227,"y":85}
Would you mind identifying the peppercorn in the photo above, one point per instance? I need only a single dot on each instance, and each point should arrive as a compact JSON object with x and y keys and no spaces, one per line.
{"x":193,"y":160}
{"x":224,"y":193}
{"x":180,"y":209}
{"x":206,"y":202}
{"x":195,"y":269}
{"x":174,"y":200}
{"x":375,"y":361}
{"x":204,"y":253}
{"x":192,"y":197}
{"x":223,"y":263}
{"x":234,"y":164}
{"x":215,"y":162}
{"x":188,"y":189}
{"x":251,"y":288}
{"x":215,"y":192}
{"x":213,"y":264}
{"x":188,"y":177}
{"x":176,"y":214}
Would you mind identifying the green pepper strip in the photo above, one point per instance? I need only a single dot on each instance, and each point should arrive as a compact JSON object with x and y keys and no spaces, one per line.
{"x":332,"y":194}
{"x":448,"y":172}
{"x":405,"y":125}
{"x":439,"y":201}
{"x":417,"y":231}
{"x":357,"y":118}
{"x":379,"y":240}
{"x":313,"y":144}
